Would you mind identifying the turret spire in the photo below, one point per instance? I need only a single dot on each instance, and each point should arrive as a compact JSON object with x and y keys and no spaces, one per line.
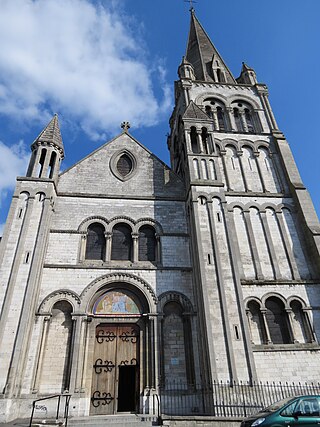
{"x":204,"y":57}
{"x":47,"y":152}
{"x":51,"y":133}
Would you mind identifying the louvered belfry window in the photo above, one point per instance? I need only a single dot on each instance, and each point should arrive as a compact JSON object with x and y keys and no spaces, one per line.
{"x":96,"y":242}
{"x":147,"y":244}
{"x":121,"y":243}
{"x":124,"y":165}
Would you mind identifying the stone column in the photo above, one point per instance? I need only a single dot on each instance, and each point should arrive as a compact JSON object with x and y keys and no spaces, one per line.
{"x":135,"y":240}
{"x":77,"y":330}
{"x":158,"y":249}
{"x":309,"y":329}
{"x":84,"y":355}
{"x":108,"y":236}
{"x":231,"y":119}
{"x":243,"y":120}
{"x":291,"y":325}
{"x":83,"y":244}
{"x":265,"y":325}
{"x":199,"y":140}
{"x":249,"y":320}
{"x":215,"y":118}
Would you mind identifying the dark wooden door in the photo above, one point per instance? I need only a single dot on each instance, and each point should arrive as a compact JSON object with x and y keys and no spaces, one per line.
{"x":115,"y":380}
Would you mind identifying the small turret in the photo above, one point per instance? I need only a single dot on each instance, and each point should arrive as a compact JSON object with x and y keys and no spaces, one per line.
{"x":248,"y":75}
{"x":47,"y":152}
{"x":186,"y":70}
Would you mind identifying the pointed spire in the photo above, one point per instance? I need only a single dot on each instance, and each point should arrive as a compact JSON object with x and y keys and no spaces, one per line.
{"x":51,"y":134}
{"x":203,"y":56}
{"x":247,"y":76}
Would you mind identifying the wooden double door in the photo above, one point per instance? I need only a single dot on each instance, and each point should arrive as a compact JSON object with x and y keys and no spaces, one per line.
{"x":115,"y":377}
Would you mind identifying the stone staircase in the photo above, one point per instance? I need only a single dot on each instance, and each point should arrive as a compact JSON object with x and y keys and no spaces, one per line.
{"x":128,"y":420}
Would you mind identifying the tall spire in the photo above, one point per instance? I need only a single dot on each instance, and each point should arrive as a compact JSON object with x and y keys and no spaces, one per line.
{"x":204,"y":57}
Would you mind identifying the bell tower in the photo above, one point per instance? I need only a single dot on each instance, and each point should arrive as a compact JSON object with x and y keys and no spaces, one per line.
{"x":244,"y":200}
{"x":23,"y":249}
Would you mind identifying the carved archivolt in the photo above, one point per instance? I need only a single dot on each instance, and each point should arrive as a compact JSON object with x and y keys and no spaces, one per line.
{"x":59,"y":295}
{"x":178,"y":297}
{"x":116,"y":278}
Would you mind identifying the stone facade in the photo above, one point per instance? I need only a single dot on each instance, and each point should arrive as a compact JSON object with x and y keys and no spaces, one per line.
{"x":216,"y":267}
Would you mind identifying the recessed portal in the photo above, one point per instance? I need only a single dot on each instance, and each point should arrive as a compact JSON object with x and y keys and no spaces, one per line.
{"x":127,"y":389}
{"x":115,"y":380}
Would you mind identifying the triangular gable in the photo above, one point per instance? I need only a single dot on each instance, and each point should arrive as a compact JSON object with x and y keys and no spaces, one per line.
{"x":194,"y":112}
{"x":97,"y":174}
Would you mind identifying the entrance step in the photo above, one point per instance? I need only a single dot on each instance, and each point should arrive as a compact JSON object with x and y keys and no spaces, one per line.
{"x":114,"y":421}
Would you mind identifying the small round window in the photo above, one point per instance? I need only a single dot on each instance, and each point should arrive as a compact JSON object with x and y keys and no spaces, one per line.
{"x":124,"y":165}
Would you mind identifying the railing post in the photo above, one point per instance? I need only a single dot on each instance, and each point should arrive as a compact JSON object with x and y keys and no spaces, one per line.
{"x":33,"y":406}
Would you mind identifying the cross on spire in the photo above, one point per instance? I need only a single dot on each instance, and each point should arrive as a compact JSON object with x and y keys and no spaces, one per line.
{"x":191,"y":4}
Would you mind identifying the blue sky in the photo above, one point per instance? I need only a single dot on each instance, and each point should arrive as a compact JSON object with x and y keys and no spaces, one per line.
{"x":97,"y":63}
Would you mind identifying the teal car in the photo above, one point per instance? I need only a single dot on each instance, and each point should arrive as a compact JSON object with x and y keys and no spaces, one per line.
{"x":297,"y":411}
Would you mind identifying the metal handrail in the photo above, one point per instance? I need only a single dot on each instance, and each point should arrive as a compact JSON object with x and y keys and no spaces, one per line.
{"x":66,"y":406}
{"x":159,"y":417}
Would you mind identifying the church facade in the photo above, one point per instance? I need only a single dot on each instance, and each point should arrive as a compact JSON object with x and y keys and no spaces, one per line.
{"x":121,"y":275}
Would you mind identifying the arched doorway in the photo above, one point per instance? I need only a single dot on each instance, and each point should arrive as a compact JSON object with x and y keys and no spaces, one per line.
{"x":117,"y":360}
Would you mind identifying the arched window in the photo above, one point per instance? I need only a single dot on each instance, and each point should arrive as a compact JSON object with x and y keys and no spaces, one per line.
{"x":300,"y":323}
{"x":237,"y":119}
{"x":205,"y":140}
{"x":277,"y":321}
{"x":249,"y":121}
{"x":221,"y":119}
{"x":256,"y":323}
{"x":121,"y":243}
{"x":147,"y":243}
{"x":41,"y":162}
{"x":194,"y":140}
{"x":217,"y":111}
{"x":245,"y":117}
{"x":52,"y":164}
{"x":96,"y":242}
{"x":209,"y":111}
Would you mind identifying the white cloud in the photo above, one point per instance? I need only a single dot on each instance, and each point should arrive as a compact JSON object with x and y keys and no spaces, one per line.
{"x":13,"y":162}
{"x":78,"y":59}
